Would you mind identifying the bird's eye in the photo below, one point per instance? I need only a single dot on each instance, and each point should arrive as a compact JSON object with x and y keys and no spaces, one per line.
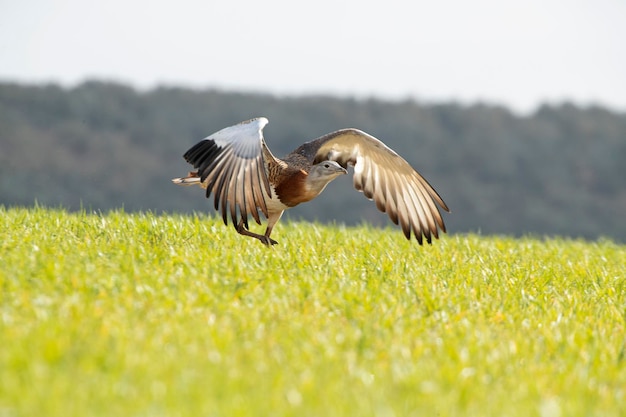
{"x":326,"y":165}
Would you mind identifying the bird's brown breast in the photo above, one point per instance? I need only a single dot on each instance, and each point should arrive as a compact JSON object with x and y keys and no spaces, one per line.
{"x":291,"y":187}
{"x":289,"y":180}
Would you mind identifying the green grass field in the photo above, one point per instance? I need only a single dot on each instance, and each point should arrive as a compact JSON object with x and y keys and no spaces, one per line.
{"x":144,"y":315}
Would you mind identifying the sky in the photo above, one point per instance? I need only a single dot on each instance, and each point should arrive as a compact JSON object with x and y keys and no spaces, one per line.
{"x":513,"y":53}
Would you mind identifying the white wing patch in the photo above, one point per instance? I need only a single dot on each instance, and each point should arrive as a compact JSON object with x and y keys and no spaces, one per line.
{"x":252,"y":128}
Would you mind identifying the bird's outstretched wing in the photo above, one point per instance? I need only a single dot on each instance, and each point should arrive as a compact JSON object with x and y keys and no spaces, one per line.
{"x":385,"y":177}
{"x":232,"y":164}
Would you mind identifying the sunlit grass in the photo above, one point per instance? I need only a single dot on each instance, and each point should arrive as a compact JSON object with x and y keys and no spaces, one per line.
{"x":146,"y":315}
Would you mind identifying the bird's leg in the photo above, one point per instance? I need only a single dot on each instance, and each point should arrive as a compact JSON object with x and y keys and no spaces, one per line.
{"x":265,"y":239}
{"x":272,"y":219}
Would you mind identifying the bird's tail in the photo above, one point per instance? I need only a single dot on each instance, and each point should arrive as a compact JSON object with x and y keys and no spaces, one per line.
{"x":191,"y":179}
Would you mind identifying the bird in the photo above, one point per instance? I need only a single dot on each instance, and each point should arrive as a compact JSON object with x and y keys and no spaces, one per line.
{"x":245,"y":178}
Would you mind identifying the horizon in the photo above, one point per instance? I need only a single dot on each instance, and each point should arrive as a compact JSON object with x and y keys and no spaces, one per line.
{"x":304,"y":95}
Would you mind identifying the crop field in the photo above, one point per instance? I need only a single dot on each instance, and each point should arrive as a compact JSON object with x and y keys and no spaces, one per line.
{"x":119,"y":314}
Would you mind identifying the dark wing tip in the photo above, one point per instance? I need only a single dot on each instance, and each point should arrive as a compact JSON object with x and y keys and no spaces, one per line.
{"x":202,"y":153}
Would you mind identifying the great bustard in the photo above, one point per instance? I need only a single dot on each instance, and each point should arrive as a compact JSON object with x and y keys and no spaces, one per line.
{"x":236,"y":166}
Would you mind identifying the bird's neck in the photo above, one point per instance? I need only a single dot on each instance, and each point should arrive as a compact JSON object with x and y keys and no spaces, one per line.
{"x":315,"y":185}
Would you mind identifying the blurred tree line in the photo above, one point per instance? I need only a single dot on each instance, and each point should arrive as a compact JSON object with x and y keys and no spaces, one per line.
{"x":101,"y":145}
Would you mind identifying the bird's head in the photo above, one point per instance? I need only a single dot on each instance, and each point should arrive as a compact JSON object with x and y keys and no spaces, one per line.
{"x":327,"y":170}
{"x":323,"y":173}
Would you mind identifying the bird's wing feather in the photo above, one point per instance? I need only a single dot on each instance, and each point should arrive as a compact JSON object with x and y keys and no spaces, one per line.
{"x":385,"y":177}
{"x":233,"y":165}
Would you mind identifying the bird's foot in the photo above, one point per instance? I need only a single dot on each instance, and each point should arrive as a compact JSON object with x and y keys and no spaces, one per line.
{"x":266,"y":240}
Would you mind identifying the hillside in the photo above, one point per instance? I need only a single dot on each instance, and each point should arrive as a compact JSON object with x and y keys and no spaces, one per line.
{"x":559,"y":171}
